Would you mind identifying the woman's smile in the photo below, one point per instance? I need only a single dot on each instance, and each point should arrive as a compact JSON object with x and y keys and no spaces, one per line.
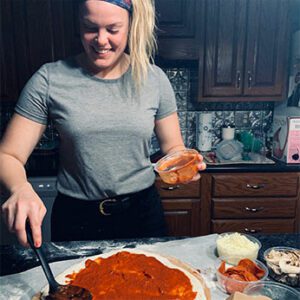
{"x":102,"y":53}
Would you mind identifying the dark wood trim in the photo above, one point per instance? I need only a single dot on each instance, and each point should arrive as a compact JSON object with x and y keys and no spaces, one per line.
{"x":206,"y":197}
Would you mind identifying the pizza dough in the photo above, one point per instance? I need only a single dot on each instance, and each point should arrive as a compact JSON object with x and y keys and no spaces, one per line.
{"x":135,"y":274}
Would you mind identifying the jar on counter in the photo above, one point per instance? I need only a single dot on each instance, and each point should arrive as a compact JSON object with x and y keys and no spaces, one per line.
{"x":228,"y":132}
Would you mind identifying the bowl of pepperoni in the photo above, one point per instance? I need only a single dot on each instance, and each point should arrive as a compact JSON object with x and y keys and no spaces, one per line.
{"x":236,"y":277}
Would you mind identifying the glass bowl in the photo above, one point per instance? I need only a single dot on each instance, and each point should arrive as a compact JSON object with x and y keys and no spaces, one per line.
{"x":178,"y":167}
{"x":275,"y":267}
{"x":230,"y":285}
{"x":233,"y":253}
{"x":274,"y":290}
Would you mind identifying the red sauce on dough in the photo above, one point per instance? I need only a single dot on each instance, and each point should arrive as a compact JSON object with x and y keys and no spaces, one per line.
{"x":127,"y":275}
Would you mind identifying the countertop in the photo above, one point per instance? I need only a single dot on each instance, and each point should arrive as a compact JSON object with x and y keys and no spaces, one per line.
{"x":234,"y":168}
{"x":38,"y":169}
{"x":278,"y":166}
{"x":198,"y":252}
{"x":12,"y":256}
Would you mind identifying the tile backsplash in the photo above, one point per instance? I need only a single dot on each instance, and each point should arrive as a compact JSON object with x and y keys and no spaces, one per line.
{"x":246,"y":116}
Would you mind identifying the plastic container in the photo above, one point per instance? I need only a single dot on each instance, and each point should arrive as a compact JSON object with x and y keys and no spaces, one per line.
{"x":230,"y":285}
{"x":277,"y":273}
{"x":274,"y":290}
{"x":233,"y":253}
{"x":178,"y":167}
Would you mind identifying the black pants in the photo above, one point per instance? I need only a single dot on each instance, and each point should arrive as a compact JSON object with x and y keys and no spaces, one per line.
{"x":135,"y":215}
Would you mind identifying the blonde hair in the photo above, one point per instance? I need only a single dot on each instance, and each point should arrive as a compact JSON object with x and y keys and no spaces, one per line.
{"x":142,"y":39}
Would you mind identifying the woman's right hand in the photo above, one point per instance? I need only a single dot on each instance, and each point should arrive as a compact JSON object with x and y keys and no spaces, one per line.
{"x":23,"y":204}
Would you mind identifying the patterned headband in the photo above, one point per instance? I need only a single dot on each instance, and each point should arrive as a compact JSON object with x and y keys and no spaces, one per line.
{"x":126,"y":4}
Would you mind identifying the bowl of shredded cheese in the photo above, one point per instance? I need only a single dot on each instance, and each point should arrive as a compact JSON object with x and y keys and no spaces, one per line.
{"x":235,"y":246}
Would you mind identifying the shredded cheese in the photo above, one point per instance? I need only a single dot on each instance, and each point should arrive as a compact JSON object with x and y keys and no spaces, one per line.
{"x":235,"y":246}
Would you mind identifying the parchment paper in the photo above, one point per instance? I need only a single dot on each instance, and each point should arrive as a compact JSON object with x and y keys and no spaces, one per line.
{"x":198,"y":252}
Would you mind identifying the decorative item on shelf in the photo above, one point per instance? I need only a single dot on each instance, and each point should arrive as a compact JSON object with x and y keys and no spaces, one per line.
{"x":229,"y":150}
{"x":203,"y":130}
{"x":228,"y":132}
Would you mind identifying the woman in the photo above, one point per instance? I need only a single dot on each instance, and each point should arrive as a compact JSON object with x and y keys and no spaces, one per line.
{"x":105,"y":104}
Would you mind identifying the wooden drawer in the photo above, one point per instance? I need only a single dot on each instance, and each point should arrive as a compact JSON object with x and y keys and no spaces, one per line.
{"x":250,"y":208}
{"x":254,"y":226}
{"x":189,"y":190}
{"x":255,"y":185}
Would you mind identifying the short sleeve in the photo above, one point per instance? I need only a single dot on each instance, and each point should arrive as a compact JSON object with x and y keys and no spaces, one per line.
{"x":167,"y":101}
{"x":32,"y":103}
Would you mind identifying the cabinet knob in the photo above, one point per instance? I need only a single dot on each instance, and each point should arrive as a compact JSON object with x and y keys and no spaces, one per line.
{"x":248,"y":230}
{"x":255,"y":186}
{"x":254,"y":209}
{"x":249,"y":79}
{"x":238,"y":79}
{"x":171,"y":188}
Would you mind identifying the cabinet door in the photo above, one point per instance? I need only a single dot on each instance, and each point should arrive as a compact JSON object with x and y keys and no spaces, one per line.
{"x":34,"y":32}
{"x":182,"y":216}
{"x":66,"y":28}
{"x":179,"y":28}
{"x":8,"y":70}
{"x":266,"y":59}
{"x":224,"y":47}
{"x":26,"y":43}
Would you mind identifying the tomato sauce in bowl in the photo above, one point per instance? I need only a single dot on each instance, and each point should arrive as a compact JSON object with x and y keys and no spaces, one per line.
{"x":178,"y":167}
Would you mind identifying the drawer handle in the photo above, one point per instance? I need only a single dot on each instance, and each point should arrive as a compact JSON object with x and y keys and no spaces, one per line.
{"x":171,"y":188}
{"x":252,"y":230}
{"x":254,"y":209}
{"x":255,"y":186}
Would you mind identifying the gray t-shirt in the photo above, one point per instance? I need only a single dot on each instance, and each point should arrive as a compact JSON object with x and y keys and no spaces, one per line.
{"x":104,"y":126}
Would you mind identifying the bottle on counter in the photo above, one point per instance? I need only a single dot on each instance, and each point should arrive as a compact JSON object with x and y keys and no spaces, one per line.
{"x":204,"y":131}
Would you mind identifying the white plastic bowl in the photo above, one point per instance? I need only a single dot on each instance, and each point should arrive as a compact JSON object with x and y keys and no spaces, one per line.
{"x":274,"y":290}
{"x":232,"y":256}
{"x":285,"y":278}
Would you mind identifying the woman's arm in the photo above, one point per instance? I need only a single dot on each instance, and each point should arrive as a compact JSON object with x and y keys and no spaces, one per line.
{"x":168,"y":133}
{"x":16,"y":145}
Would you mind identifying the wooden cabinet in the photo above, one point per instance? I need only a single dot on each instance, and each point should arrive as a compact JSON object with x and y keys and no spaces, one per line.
{"x":33,"y":33}
{"x":179,"y":28}
{"x":36,"y":32}
{"x":242,"y":202}
{"x":240,"y":45}
{"x":245,"y":51}
{"x":26,"y":43}
{"x":255,"y":185}
{"x":254,"y":202}
{"x":182,"y":207}
{"x":179,"y":31}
